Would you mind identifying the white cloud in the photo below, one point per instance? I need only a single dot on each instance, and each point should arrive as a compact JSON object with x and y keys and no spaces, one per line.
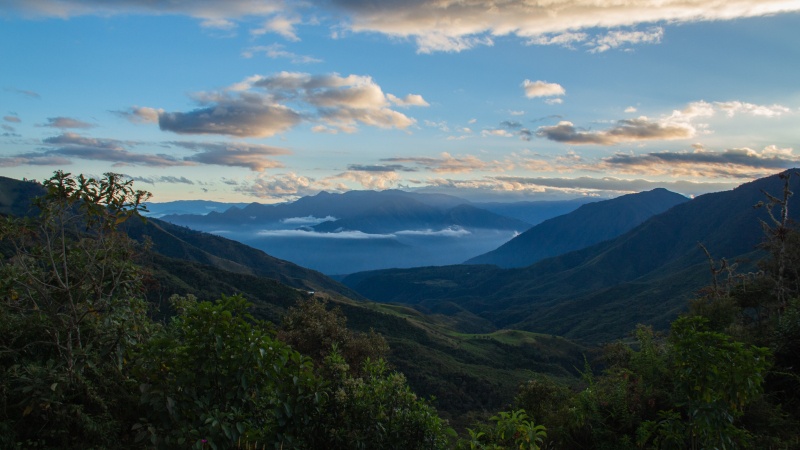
{"x":454,"y":231}
{"x":460,"y":25}
{"x":408,"y":100}
{"x":359,"y":235}
{"x":307,"y":220}
{"x":540,"y":88}
{"x":281,"y":25}
{"x":619,"y":38}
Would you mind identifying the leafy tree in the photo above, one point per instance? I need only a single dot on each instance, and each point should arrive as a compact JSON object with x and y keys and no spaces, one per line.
{"x":373,"y":409}
{"x":714,"y":378}
{"x":511,"y":429}
{"x":313,"y":330}
{"x":71,"y":311}
{"x":216,"y":376}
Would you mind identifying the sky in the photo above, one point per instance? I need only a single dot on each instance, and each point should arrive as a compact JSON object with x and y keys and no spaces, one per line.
{"x":269,"y":100}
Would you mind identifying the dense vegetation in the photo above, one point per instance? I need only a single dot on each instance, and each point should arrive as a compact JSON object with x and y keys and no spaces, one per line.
{"x":86,"y":364}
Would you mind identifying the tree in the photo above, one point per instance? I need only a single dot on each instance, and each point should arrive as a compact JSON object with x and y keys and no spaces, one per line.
{"x":71,"y":311}
{"x":313,"y":330}
{"x":216,"y":376}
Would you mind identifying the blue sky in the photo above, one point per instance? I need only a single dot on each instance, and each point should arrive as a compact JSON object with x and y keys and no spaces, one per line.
{"x":266,"y":100}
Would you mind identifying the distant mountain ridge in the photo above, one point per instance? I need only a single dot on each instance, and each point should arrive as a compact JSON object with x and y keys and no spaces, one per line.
{"x":366,"y":211}
{"x":600,"y":292}
{"x":589,"y":224}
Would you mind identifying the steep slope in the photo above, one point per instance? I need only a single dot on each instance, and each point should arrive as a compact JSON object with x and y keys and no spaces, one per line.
{"x":588,"y":225}
{"x":600,"y":292}
{"x":194,"y":246}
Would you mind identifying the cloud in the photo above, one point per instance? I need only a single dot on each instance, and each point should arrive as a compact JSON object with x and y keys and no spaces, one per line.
{"x":66,"y":122}
{"x":360,"y":235}
{"x":567,"y":39}
{"x":307,"y":220}
{"x":278,"y":187}
{"x":72,"y":145}
{"x":619,"y":38}
{"x":26,"y":93}
{"x":613,"y":185}
{"x":277,"y":51}
{"x":12,"y":119}
{"x":213,"y":12}
{"x":280,"y":24}
{"x":628,"y":130}
{"x":540,"y":88}
{"x":63,"y":148}
{"x":380,"y":168}
{"x":736,"y":107}
{"x":262,"y":106}
{"x":730,"y":163}
{"x":457,"y":26}
{"x":408,"y":100}
{"x":447,"y":163}
{"x":680,"y":124}
{"x":162,"y":179}
{"x":138,"y":114}
{"x":234,"y":115}
{"x":454,"y":231}
{"x":252,"y":156}
{"x":370,"y":180}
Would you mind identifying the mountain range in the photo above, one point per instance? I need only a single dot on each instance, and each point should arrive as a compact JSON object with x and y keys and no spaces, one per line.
{"x":589,"y":224}
{"x":601,"y":292}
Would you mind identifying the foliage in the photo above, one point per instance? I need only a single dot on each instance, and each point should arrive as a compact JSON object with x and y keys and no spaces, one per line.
{"x":511,"y":429}
{"x":713,"y":379}
{"x":313,"y":330}
{"x":373,"y":410}
{"x":215,"y":376}
{"x":70,"y":314}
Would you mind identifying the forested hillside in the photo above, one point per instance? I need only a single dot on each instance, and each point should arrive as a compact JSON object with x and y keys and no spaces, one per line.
{"x":88,"y":363}
{"x":601,"y":292}
{"x":587,"y":225}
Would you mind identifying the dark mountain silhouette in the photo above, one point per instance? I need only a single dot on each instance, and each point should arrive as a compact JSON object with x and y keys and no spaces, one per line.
{"x":587,"y":225}
{"x":599,"y":292}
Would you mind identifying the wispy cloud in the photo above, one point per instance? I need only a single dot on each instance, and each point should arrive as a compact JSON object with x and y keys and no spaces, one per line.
{"x":740,"y":163}
{"x":25,"y":92}
{"x":281,"y":24}
{"x":256,"y":157}
{"x":162,"y":179}
{"x":447,"y":163}
{"x":620,"y":38}
{"x":307,"y":220}
{"x":278,"y":51}
{"x":62,"y":149}
{"x":66,"y":122}
{"x":359,"y":235}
